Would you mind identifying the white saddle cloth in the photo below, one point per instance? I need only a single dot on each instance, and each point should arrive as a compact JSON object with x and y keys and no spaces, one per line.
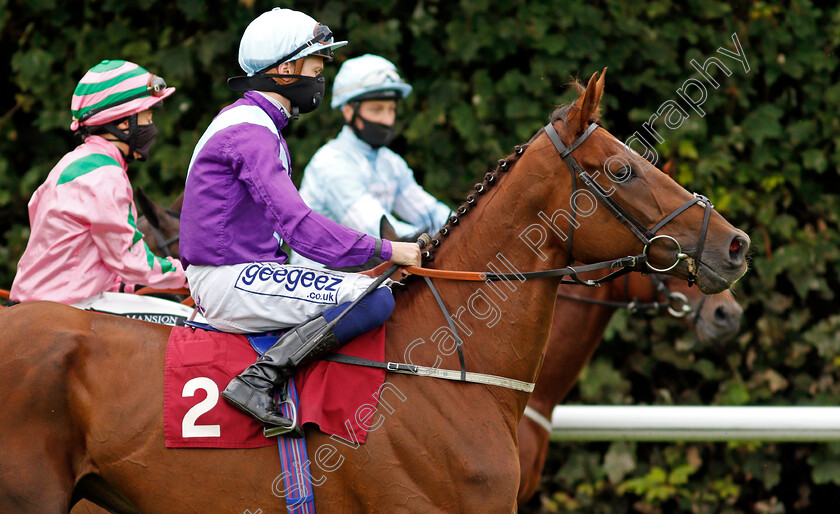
{"x":146,"y":308}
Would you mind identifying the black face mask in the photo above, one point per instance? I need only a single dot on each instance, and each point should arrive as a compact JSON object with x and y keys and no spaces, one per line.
{"x":304,"y":94}
{"x":375,"y":134}
{"x":139,"y":137}
{"x":144,"y":135}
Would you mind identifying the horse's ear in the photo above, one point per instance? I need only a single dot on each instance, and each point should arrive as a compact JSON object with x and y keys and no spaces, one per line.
{"x":178,"y":204}
{"x":669,"y":167}
{"x":599,"y":87}
{"x":386,"y":230}
{"x":146,"y":207}
{"x":587,"y":104}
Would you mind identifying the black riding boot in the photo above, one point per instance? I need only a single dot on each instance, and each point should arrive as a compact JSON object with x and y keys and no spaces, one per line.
{"x":252,"y":391}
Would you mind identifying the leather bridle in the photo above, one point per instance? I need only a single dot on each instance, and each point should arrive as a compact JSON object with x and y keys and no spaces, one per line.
{"x":163,"y":244}
{"x":645,"y":235}
{"x":676,"y":304}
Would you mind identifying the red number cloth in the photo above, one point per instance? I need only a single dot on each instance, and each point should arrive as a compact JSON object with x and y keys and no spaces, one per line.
{"x":200,"y":363}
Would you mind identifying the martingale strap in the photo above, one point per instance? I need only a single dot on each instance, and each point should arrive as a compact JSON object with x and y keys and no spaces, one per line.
{"x":451,"y":327}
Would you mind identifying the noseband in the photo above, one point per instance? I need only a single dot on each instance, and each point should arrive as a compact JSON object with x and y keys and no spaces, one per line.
{"x":645,"y":235}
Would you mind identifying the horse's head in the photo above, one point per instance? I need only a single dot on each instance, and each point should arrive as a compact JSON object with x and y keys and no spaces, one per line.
{"x":160,"y":226}
{"x":618,"y":204}
{"x":715,"y":317}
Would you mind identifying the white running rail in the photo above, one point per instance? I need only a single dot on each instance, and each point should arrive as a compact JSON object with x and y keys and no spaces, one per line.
{"x":694,"y":423}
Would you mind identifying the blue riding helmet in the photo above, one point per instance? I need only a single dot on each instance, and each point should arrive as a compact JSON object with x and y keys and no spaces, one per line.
{"x":368,"y":77}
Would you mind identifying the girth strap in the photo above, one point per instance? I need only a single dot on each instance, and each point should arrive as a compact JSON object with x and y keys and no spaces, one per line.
{"x":425,"y":371}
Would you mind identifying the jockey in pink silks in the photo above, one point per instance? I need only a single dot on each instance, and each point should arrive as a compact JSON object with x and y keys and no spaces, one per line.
{"x":84,"y":238}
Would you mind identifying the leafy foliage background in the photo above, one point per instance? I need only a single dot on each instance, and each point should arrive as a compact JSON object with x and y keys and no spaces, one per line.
{"x":486,"y":76}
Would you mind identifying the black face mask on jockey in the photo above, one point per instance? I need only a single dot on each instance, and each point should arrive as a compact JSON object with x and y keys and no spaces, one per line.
{"x":145,"y":136}
{"x":139,"y":137}
{"x":375,"y":134}
{"x":304,"y":94}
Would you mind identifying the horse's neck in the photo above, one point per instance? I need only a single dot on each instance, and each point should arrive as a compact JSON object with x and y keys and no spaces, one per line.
{"x":576,"y":332}
{"x":504,"y":325}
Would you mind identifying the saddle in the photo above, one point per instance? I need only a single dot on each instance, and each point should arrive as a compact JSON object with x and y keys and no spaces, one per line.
{"x":259,"y":341}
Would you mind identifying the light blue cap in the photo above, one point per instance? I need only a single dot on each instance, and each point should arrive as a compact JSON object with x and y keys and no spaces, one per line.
{"x":366,"y":75}
{"x":277,"y":33}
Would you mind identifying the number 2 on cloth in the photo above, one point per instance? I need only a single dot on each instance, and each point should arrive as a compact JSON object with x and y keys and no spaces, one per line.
{"x":189,"y":428}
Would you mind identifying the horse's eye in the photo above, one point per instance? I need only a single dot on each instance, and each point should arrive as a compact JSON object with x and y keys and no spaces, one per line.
{"x":628,"y":173}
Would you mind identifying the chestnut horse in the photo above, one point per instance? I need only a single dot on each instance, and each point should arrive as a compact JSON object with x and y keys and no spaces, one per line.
{"x":588,"y":311}
{"x":82,"y":414}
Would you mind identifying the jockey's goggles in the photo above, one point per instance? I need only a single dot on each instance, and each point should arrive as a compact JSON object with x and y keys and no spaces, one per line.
{"x":323,"y":35}
{"x":156,"y":87}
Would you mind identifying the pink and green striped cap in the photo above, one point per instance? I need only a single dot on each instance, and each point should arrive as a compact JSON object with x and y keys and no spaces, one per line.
{"x":112,"y":90}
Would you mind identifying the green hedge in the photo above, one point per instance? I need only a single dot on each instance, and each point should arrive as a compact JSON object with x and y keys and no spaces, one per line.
{"x":486,"y":75}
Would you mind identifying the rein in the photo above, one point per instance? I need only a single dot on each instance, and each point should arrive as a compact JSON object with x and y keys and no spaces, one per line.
{"x":625,"y":265}
{"x":162,"y":243}
{"x":4,"y":295}
{"x":622,"y":266}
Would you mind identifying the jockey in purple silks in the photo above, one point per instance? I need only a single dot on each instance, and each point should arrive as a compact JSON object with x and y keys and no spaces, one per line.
{"x":240,"y":205}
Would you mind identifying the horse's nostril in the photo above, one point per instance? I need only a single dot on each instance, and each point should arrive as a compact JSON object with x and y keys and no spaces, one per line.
{"x":720,"y":315}
{"x":737,"y":249}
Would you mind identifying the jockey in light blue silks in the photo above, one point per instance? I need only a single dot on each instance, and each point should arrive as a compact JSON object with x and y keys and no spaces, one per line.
{"x":356,"y":179}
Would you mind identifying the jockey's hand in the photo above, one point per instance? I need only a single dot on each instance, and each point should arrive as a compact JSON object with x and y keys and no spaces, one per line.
{"x":405,"y":254}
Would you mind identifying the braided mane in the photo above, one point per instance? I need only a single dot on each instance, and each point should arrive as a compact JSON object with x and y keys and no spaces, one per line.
{"x":492,"y":177}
